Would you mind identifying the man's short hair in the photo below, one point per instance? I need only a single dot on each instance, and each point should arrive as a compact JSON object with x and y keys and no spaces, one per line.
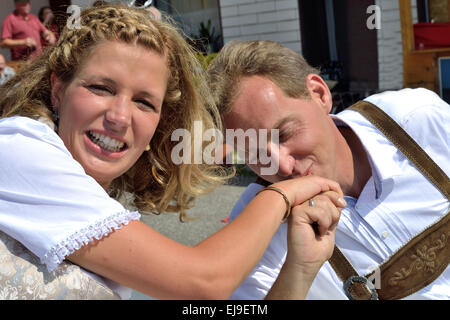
{"x":237,"y":59}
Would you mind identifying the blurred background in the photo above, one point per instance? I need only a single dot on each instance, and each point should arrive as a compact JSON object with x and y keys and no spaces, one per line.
{"x":362,"y":47}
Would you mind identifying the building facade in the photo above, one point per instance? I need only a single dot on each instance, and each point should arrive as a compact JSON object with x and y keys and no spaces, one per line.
{"x":327,"y":30}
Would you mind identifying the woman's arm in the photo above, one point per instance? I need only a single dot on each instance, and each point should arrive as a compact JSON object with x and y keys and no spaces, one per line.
{"x":143,"y":259}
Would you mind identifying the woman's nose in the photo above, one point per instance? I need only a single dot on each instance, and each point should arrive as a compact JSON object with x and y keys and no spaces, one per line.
{"x":118,"y":115}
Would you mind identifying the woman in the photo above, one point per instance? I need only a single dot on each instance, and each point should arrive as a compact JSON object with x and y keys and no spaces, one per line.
{"x":117,"y":88}
{"x":47,"y":18}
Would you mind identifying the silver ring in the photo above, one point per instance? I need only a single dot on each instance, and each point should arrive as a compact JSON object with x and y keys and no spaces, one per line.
{"x":311,"y":202}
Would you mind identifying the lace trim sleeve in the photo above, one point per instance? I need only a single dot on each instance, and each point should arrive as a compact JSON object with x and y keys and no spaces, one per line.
{"x":96,"y":231}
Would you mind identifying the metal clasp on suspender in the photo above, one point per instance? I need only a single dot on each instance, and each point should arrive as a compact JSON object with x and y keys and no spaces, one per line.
{"x":350,"y":281}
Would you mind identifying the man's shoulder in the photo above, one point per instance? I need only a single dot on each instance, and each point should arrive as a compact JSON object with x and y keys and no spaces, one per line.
{"x":402,"y":104}
{"x":9,"y":18}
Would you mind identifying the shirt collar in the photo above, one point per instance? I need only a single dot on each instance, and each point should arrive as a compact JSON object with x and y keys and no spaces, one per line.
{"x":377,"y":147}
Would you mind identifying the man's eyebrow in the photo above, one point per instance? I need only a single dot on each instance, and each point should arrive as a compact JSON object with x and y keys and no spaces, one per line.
{"x":283,"y":121}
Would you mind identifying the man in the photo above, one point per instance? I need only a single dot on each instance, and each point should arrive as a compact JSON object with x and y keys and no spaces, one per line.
{"x":22,"y":32}
{"x":6,"y":72}
{"x":261,"y":85}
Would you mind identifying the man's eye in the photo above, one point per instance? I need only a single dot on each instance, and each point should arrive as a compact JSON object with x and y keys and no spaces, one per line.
{"x":284,"y":136}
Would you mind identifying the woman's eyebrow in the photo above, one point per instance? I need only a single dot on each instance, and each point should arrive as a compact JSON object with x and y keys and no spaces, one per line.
{"x":151,"y":96}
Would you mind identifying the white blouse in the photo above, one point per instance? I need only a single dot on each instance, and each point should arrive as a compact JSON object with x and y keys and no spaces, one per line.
{"x":47,"y":201}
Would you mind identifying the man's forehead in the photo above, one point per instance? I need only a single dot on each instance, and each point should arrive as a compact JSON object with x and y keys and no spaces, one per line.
{"x":255,"y":103}
{"x":256,"y":90}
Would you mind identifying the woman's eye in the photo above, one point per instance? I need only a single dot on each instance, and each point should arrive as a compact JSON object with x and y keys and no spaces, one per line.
{"x":146,"y":104}
{"x":97,"y":87}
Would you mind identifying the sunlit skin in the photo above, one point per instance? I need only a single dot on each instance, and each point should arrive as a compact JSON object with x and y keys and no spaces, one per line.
{"x":309,"y":141}
{"x":100,"y":99}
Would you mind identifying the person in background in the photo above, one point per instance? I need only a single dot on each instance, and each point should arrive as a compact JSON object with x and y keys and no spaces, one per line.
{"x":22,"y":32}
{"x":48,"y":19}
{"x":6,"y":72}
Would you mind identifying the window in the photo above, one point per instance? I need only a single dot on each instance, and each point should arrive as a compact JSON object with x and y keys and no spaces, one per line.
{"x":200,"y":20}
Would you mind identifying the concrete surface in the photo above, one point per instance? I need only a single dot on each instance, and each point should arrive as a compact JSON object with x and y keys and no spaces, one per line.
{"x":209,"y":210}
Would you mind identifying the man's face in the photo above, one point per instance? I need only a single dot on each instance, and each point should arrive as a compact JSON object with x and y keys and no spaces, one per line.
{"x":23,"y":7}
{"x":306,"y":132}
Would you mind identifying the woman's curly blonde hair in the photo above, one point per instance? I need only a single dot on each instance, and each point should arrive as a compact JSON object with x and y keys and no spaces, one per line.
{"x":157,"y":183}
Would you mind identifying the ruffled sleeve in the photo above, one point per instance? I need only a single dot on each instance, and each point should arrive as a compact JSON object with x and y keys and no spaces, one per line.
{"x":47,"y":201}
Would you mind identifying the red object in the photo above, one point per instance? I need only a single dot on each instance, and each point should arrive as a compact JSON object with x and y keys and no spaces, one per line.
{"x":432,"y":35}
{"x":225,"y":220}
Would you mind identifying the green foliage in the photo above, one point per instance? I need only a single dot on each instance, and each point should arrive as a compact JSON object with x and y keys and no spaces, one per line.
{"x":207,"y":41}
{"x":205,"y":60}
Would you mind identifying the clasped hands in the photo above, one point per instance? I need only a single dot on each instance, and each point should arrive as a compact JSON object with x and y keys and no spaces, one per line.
{"x":312,"y":224}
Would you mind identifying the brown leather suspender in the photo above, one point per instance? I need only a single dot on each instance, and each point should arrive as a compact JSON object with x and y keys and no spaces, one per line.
{"x":420,"y":261}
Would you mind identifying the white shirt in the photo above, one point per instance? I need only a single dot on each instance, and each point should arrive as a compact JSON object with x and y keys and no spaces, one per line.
{"x":396,"y":204}
{"x":7,"y":74}
{"x":47,"y":201}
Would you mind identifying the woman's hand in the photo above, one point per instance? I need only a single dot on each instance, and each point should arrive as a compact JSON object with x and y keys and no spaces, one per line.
{"x":311,"y":232}
{"x":299,"y":190}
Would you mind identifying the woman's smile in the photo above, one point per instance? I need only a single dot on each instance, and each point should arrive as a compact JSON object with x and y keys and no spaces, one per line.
{"x":106,"y":120}
{"x":105,"y":145}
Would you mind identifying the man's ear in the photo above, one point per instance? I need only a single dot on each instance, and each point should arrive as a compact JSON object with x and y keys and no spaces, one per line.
{"x":319,"y":91}
{"x":57,"y":90}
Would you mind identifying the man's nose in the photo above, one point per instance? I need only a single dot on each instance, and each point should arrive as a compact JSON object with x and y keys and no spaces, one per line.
{"x":118,"y":115}
{"x":286,"y":163}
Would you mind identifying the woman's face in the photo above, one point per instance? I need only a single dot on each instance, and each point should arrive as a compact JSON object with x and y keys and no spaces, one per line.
{"x":46,"y":12}
{"x":110,"y":110}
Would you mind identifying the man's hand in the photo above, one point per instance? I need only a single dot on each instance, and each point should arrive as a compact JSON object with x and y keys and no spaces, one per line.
{"x":49,"y":37}
{"x":30,"y":43}
{"x":311,"y":231}
{"x":310,"y":238}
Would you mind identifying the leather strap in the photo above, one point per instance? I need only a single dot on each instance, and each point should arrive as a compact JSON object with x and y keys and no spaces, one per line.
{"x":405,"y":144}
{"x":420,"y":261}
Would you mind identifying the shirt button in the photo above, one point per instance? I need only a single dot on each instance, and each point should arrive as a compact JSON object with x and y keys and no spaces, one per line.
{"x":385,"y":234}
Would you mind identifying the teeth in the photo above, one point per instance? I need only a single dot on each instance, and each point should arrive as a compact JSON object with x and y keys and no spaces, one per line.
{"x":106,"y":142}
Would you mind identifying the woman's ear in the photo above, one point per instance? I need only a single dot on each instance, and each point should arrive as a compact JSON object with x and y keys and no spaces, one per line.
{"x":57,"y":89}
{"x":319,"y":91}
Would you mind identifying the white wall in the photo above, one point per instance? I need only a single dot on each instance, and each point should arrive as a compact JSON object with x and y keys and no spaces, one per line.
{"x":390,"y":50}
{"x":276,"y":20}
{"x":7,"y":6}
